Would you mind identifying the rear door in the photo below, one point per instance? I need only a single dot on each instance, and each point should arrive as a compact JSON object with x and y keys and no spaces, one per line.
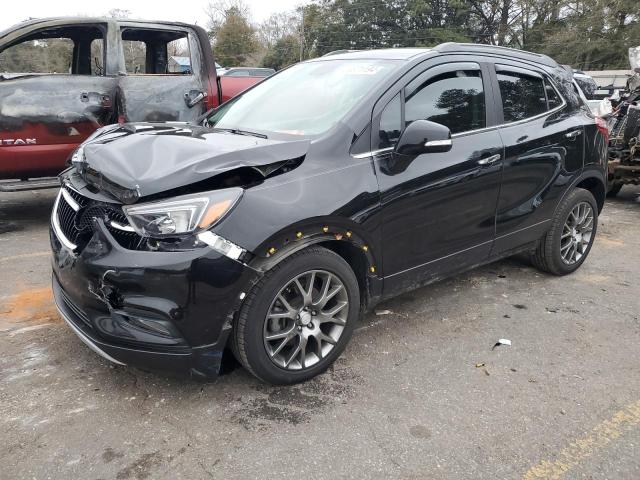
{"x":163,"y":76}
{"x":54,"y":92}
{"x":544,"y":148}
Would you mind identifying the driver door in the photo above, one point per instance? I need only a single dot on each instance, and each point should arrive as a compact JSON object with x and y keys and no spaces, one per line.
{"x":438,"y":209}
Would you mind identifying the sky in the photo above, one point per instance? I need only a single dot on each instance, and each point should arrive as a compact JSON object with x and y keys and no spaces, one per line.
{"x":189,"y":11}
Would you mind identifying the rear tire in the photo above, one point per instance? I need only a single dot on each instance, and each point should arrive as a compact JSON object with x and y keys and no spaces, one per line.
{"x":568,"y":242}
{"x":285,"y":331}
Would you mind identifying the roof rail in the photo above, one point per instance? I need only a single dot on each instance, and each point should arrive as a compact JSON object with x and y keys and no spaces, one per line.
{"x":451,"y":47}
{"x":338,"y":52}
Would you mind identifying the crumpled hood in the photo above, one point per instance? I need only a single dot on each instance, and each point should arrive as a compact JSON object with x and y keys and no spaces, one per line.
{"x":137,"y":160}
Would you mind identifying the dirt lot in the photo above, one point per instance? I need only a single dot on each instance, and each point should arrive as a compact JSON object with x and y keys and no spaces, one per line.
{"x":406,"y":400}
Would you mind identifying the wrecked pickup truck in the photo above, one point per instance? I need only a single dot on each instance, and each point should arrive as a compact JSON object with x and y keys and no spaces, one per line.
{"x":624,"y":143}
{"x":61,"y":79}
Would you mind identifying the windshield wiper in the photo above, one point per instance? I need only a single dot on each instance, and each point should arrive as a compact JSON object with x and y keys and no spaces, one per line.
{"x":237,"y":131}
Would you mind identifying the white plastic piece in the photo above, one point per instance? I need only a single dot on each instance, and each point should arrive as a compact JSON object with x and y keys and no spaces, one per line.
{"x":221,"y":245}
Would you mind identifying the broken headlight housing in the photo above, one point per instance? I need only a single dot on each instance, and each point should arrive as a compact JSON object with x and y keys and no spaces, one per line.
{"x":181,"y":215}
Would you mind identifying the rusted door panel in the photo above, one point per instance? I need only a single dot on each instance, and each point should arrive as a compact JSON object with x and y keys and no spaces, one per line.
{"x":44,"y":117}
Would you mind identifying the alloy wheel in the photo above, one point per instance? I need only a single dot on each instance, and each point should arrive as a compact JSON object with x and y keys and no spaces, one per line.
{"x":305,"y":320}
{"x":577,"y":233}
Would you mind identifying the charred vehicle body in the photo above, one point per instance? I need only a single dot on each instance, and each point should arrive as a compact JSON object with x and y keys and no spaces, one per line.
{"x":270,"y":226}
{"x":624,"y":143}
{"x":61,"y":79}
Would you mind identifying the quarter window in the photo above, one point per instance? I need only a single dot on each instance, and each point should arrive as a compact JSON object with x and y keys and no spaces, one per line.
{"x":553,"y":99}
{"x":454,"y":99}
{"x":390,"y":123}
{"x":523,"y":96}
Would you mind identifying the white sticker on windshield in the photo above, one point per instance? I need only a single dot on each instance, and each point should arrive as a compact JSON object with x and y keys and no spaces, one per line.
{"x":361,"y":69}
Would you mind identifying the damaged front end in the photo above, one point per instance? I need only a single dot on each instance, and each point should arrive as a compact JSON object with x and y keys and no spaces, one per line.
{"x":138,"y":270}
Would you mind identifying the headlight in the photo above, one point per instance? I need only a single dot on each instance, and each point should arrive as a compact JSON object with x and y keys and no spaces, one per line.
{"x":181,"y":215}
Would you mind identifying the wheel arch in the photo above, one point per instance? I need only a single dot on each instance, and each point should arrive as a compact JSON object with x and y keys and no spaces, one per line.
{"x":592,"y":181}
{"x":597,"y":188}
{"x":350,"y":244}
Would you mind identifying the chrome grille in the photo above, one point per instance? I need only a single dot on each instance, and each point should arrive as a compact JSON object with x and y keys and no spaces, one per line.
{"x":74,"y":221}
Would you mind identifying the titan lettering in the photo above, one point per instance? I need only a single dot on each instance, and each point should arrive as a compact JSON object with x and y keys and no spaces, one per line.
{"x":18,"y":141}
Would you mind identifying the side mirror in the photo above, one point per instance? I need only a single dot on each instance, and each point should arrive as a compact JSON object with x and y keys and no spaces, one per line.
{"x":423,"y":136}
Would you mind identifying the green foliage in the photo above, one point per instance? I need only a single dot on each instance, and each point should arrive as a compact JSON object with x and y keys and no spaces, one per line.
{"x":51,"y":55}
{"x":285,"y":52}
{"x":235,"y":39}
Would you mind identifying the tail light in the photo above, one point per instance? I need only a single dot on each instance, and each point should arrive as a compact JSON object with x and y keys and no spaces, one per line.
{"x":601,"y":125}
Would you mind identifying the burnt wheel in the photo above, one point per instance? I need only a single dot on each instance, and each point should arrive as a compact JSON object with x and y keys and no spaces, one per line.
{"x":298,"y":319}
{"x":569,"y":240}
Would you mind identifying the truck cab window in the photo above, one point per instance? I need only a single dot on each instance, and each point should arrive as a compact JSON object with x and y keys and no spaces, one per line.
{"x":64,"y":50}
{"x":156,"y":52}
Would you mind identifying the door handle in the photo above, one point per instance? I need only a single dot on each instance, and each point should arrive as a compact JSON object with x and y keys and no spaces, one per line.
{"x":573,"y":134}
{"x":192,"y":102}
{"x":104,"y":99}
{"x":489,"y":160}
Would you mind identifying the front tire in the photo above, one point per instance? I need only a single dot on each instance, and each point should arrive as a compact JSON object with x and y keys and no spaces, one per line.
{"x":569,"y":240}
{"x":298,"y":318}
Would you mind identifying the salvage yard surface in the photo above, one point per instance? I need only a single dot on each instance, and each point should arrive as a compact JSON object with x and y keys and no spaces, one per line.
{"x":419,"y":392}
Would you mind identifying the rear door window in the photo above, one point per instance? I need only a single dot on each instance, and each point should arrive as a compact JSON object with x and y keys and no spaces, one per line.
{"x":523,"y":96}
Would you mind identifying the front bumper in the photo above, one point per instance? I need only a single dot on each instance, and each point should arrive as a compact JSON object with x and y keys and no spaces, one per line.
{"x":162,"y":311}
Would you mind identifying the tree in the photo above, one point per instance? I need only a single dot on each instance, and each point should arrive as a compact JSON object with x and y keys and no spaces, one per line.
{"x":278,"y":26}
{"x":234,"y":39}
{"x":284,"y":52}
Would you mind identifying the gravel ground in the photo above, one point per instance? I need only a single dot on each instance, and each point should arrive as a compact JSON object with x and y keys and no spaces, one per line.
{"x":419,"y":393}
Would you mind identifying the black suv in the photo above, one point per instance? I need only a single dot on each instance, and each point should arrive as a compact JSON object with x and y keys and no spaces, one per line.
{"x":268,"y":227}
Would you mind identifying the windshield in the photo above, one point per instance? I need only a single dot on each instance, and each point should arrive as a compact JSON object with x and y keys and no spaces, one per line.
{"x":306,"y":99}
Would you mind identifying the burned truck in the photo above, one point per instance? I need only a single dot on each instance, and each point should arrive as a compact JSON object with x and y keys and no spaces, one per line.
{"x":61,"y":79}
{"x":624,"y":141}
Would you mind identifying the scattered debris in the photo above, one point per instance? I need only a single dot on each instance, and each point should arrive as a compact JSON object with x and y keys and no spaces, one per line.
{"x":478,"y":365}
{"x":551,"y":310}
{"x":506,"y":316}
{"x":520,"y":306}
{"x":384,"y":312}
{"x":502,"y":341}
{"x":502,"y":276}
